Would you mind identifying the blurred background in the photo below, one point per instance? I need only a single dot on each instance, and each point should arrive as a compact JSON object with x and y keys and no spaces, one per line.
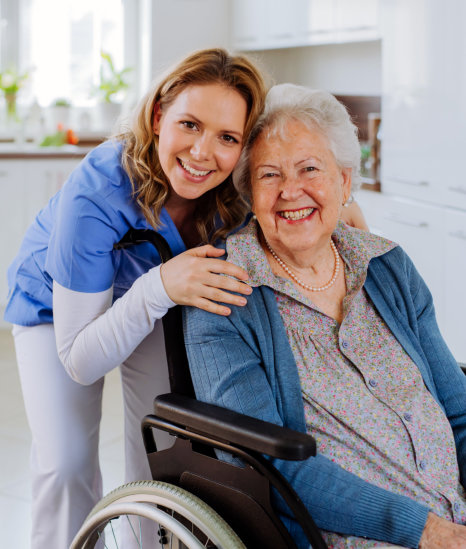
{"x":70,"y":71}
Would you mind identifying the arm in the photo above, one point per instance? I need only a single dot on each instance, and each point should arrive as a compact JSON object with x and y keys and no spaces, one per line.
{"x":94,"y":337}
{"x":229,"y":372}
{"x":448,"y":378}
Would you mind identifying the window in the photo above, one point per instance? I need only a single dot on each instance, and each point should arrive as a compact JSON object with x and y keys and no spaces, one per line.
{"x":61,"y":42}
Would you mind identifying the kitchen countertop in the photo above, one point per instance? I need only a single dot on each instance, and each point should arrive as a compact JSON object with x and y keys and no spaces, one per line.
{"x":30,"y":150}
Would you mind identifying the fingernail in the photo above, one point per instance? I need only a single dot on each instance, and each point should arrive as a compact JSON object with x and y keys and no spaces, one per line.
{"x":243,"y":301}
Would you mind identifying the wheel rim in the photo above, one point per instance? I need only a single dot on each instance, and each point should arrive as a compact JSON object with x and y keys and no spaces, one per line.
{"x":120,"y":510}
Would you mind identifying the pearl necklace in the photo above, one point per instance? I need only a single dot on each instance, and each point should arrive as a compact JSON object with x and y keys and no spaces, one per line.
{"x":293,"y":275}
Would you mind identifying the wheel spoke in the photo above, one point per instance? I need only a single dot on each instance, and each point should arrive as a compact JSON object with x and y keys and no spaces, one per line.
{"x":138,"y":539}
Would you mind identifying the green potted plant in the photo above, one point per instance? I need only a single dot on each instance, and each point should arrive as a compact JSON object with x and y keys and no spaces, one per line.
{"x":11,"y":81}
{"x":112,"y":84}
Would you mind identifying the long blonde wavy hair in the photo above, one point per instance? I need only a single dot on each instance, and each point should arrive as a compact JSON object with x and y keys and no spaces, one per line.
{"x":140,"y":159}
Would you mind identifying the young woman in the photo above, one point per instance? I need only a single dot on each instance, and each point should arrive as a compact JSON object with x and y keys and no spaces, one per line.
{"x":80,"y":307}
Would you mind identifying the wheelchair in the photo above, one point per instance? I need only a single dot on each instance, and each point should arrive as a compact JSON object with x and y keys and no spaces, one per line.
{"x":196,"y":500}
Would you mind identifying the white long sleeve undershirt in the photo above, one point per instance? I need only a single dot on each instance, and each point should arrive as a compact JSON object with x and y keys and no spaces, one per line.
{"x":93,"y":336}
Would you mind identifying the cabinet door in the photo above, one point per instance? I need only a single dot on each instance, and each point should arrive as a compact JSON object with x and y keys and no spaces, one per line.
{"x":249,"y":24}
{"x":455,"y":288}
{"x":26,"y":186}
{"x":283,"y":22}
{"x":12,"y":217}
{"x":356,"y":20}
{"x":419,"y":229}
{"x":44,"y":177}
{"x":423,"y":111}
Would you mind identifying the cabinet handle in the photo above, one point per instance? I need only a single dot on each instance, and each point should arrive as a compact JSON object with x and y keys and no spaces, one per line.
{"x":3,"y":173}
{"x":402,"y":221}
{"x":409,"y":182}
{"x":458,"y":234}
{"x":459,"y":189}
{"x":282,"y":36}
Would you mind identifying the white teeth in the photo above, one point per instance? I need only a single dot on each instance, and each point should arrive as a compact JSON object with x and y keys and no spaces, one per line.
{"x":296,"y":214}
{"x":192,"y":171}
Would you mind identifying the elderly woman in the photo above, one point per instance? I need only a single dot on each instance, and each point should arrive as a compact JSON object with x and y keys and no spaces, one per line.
{"x":338,"y":339}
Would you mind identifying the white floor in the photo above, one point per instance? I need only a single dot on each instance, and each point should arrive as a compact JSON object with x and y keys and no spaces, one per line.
{"x":15,"y":440}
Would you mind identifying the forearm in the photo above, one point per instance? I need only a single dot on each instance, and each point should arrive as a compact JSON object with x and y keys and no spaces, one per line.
{"x":93,"y":336}
{"x":342,"y":502}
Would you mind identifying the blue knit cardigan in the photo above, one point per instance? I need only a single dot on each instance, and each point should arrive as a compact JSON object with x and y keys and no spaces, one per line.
{"x":244,"y":362}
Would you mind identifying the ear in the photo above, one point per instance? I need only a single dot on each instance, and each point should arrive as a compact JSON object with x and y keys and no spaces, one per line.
{"x":156,"y":118}
{"x":346,"y":174}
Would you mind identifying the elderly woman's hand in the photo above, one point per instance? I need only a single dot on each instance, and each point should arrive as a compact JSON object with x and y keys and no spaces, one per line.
{"x":440,"y":533}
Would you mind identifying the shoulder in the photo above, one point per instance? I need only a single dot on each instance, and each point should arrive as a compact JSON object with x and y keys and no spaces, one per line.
{"x":243,"y":322}
{"x":98,"y":183}
{"x":394,"y":273}
{"x":101,"y":170}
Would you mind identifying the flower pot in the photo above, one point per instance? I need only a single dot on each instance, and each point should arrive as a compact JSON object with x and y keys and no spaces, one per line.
{"x":108,"y":114}
{"x":11,"y":107}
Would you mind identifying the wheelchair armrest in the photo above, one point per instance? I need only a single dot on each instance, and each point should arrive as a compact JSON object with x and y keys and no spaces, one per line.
{"x":237,"y":429}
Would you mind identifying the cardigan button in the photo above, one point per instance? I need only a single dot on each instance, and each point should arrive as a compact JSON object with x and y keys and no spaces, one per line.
{"x":345,"y":344}
{"x":373,"y":383}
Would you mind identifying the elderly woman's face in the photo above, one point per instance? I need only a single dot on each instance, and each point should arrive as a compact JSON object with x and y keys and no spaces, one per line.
{"x":297,"y":188}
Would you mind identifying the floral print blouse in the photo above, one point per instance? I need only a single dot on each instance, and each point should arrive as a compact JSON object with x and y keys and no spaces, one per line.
{"x":364,"y":399}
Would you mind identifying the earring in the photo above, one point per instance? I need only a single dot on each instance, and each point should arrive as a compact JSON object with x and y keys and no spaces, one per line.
{"x":349,"y":201}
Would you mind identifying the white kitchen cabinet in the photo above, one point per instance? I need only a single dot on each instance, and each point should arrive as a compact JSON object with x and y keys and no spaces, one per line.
{"x":26,"y":184}
{"x":455,"y":275}
{"x":419,"y":229}
{"x":272,"y":24}
{"x":249,"y":24}
{"x":435,"y":239}
{"x":423,"y":108}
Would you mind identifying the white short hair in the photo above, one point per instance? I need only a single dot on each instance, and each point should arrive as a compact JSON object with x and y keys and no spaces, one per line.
{"x":314,"y":108}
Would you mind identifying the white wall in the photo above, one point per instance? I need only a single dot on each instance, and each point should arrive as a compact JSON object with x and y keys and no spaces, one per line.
{"x":352,"y":69}
{"x":182,"y":26}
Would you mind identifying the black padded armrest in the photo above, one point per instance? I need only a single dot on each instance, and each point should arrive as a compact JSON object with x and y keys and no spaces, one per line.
{"x":237,"y":429}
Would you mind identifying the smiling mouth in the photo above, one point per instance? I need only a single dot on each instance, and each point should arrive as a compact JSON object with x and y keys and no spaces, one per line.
{"x":296,"y":215}
{"x":192,"y":171}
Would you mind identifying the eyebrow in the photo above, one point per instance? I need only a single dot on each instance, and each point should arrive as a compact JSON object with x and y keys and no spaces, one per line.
{"x":189,"y":115}
{"x":274,"y":166}
{"x":313,"y":158}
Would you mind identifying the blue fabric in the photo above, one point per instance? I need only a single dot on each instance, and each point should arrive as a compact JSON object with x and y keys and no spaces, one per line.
{"x":244,"y":362}
{"x":71,"y":240}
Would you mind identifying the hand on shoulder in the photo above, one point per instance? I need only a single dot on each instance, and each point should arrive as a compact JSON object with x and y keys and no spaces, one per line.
{"x":196,"y":278}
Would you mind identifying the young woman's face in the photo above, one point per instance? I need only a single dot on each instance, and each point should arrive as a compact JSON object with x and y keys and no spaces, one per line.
{"x":200,"y":138}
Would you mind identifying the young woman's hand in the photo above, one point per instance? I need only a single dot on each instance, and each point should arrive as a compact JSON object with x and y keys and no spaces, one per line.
{"x":196,"y":278}
{"x":440,"y":533}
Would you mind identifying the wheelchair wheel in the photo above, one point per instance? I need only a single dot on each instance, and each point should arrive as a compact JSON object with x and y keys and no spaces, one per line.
{"x":184,"y":521}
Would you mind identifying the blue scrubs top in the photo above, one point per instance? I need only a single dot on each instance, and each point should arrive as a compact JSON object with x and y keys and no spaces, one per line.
{"x":71,"y":240}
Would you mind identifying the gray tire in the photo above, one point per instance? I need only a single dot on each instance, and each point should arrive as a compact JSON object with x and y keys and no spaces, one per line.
{"x":158,"y":502}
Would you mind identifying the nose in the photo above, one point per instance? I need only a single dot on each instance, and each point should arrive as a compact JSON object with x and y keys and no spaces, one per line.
{"x":291,"y":188}
{"x":202,"y":148}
